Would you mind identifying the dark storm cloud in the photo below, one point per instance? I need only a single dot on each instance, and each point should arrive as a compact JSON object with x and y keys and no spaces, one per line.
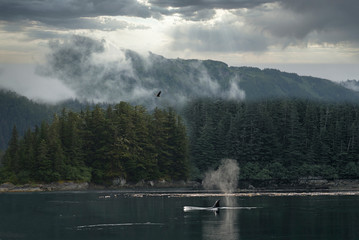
{"x":49,"y":11}
{"x":330,"y":21}
{"x":282,"y":23}
{"x":259,"y":24}
{"x":293,"y":19}
{"x":24,"y":15}
{"x":210,"y":4}
{"x":196,"y":15}
{"x":106,"y":24}
{"x":197,"y":10}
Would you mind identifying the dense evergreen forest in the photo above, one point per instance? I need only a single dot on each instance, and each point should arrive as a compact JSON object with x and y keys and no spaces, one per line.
{"x":271,"y":139}
{"x":19,"y":111}
{"x":121,"y":142}
{"x":275,"y":139}
{"x":25,"y":113}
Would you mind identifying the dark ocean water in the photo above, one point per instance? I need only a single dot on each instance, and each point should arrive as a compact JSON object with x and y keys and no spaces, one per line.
{"x":130,"y":215}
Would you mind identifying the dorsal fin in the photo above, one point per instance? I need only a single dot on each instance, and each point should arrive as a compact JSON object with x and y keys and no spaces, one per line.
{"x":216,"y":204}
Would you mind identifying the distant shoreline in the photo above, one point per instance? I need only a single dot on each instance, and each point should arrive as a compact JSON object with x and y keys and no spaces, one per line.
{"x":303,"y":187}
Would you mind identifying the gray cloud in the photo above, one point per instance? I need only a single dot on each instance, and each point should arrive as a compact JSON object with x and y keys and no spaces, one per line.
{"x":309,"y":15}
{"x":42,"y":34}
{"x":22,"y":78}
{"x":292,"y":19}
{"x":41,"y":31}
{"x":43,"y":19}
{"x":196,"y":14}
{"x":351,"y":84}
{"x":210,"y":4}
{"x":260,"y":24}
{"x":79,"y":62}
{"x":199,"y":10}
{"x":47,"y":11}
{"x":105,"y":24}
{"x":226,"y":36}
{"x":282,"y":23}
{"x":318,"y":21}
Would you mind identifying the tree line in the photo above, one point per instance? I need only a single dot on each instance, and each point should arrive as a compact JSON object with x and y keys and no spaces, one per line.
{"x":275,"y":139}
{"x":100,"y":145}
{"x":21,"y":111}
{"x":271,"y":139}
{"x":25,"y":113}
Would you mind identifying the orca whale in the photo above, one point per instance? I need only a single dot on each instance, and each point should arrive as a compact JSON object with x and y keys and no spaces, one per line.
{"x":214,"y":208}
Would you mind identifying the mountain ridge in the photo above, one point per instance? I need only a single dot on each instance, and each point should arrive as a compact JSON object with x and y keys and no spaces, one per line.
{"x":254,"y":83}
{"x":135,"y":78}
{"x":179,"y":80}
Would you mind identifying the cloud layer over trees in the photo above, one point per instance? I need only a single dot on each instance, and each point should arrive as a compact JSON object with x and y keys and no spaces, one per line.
{"x":83,"y":65}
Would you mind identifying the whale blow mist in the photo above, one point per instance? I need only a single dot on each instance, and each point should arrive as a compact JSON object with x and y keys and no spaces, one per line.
{"x":225,"y":178}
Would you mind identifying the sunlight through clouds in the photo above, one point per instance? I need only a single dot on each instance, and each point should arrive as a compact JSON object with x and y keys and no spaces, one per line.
{"x":241,"y":32}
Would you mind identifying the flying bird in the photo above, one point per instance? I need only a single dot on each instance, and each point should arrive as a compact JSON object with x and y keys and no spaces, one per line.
{"x":158,"y":94}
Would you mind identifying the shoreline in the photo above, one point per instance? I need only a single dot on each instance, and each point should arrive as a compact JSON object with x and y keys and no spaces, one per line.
{"x":307,"y":187}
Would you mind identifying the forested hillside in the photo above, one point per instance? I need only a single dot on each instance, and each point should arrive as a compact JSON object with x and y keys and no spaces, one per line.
{"x":121,"y":142}
{"x":270,"y":83}
{"x":271,"y":139}
{"x":19,"y":111}
{"x":136,"y":78}
{"x":179,"y":81}
{"x":191,"y":79}
{"x":277,"y":125}
{"x":275,"y":139}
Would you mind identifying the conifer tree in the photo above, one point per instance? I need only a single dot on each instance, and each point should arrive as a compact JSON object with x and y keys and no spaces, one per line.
{"x":11,"y":157}
{"x":44,"y":164}
{"x":98,"y":145}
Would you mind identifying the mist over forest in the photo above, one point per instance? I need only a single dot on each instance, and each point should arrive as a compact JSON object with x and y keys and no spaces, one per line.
{"x":277,"y":125}
{"x":100,"y":72}
{"x":80,"y":63}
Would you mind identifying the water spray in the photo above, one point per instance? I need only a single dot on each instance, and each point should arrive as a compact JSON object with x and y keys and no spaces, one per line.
{"x":225,"y":178}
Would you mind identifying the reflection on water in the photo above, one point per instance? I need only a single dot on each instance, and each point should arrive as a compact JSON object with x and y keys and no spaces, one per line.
{"x":224,"y":178}
{"x":227,"y":227}
{"x":224,"y":224}
{"x":159,"y":215}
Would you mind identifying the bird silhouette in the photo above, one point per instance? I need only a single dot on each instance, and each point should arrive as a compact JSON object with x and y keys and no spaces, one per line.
{"x":158,"y":94}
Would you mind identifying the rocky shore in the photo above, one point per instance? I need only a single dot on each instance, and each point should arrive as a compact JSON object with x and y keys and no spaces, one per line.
{"x":74,"y":186}
{"x":301,"y":185}
{"x":58,"y":186}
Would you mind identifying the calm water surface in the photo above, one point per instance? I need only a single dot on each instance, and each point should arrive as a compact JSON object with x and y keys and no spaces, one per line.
{"x":128,"y":215}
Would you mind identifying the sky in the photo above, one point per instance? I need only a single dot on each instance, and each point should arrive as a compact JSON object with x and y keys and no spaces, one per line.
{"x":319,"y":38}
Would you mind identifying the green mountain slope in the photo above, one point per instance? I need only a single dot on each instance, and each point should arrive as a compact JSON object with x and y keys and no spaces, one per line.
{"x":260,"y":84}
{"x":20,"y":111}
{"x":136,"y":79}
{"x":194,"y":78}
{"x":179,"y":80}
{"x":24,"y":113}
